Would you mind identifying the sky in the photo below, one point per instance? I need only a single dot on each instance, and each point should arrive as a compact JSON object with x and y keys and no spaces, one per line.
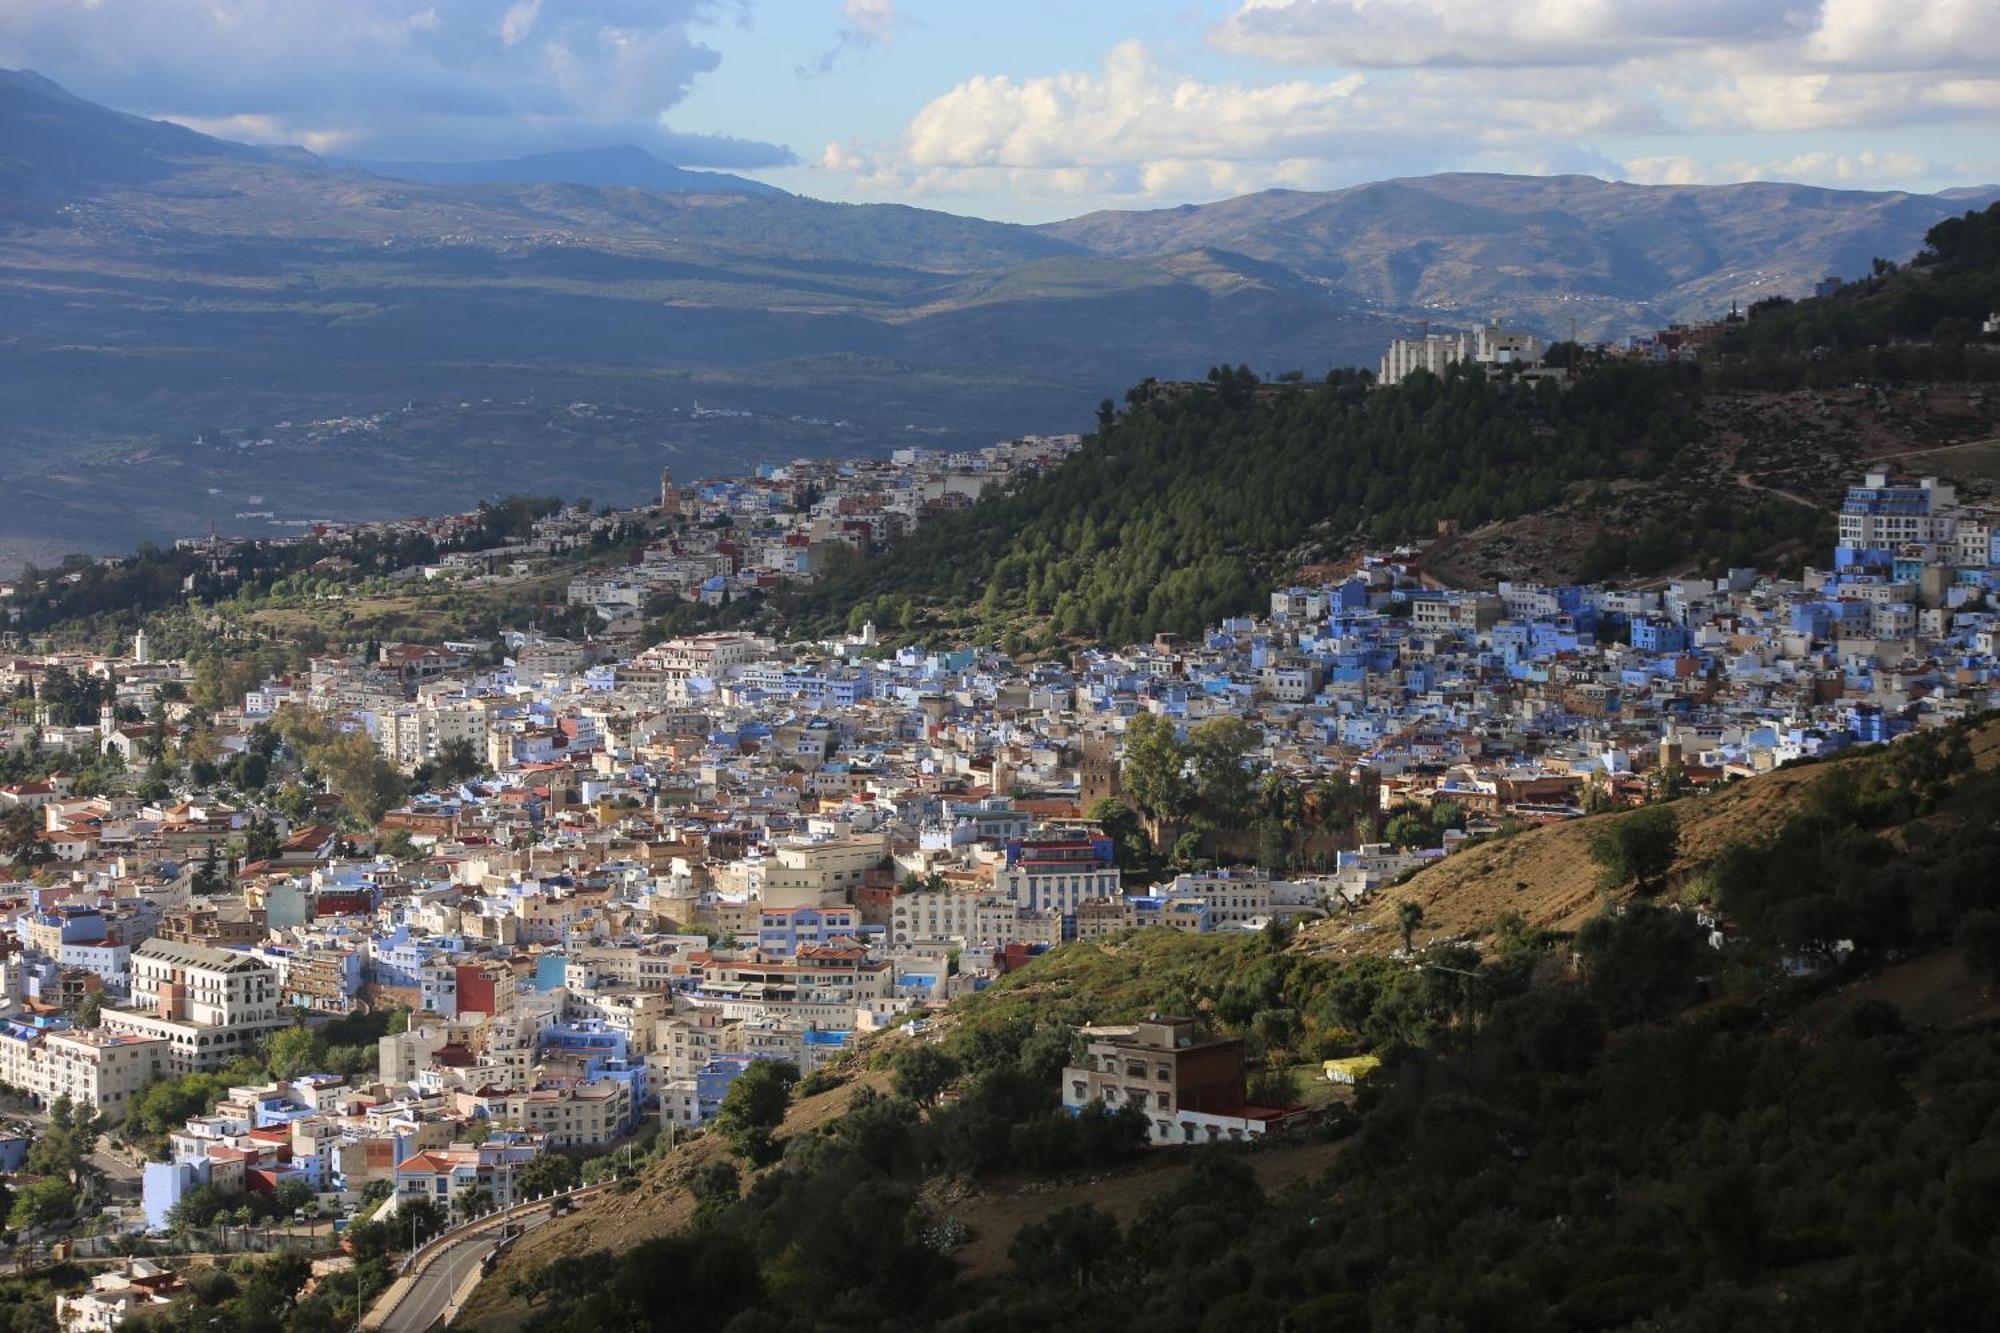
{"x":1037,"y":109}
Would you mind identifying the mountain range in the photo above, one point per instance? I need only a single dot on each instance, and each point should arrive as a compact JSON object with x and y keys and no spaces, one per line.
{"x":620,"y":165}
{"x":195,"y":329}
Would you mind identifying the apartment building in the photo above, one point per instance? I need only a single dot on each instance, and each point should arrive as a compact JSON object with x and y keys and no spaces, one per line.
{"x":104,"y":1070}
{"x":1190,"y":1089}
{"x":975,"y":919}
{"x":816,"y":872}
{"x":1055,"y":874}
{"x":209,"y":1005}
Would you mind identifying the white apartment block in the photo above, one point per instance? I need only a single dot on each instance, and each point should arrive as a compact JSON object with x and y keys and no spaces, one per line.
{"x":1490,"y":345}
{"x":104,"y":1070}
{"x":1434,"y":352}
{"x":410,"y":736}
{"x":976,"y":919}
{"x":209,"y":1005}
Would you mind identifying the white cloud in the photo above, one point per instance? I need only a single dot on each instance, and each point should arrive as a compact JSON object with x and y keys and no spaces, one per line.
{"x":519,"y":20}
{"x":1674,"y":169}
{"x":874,"y":19}
{"x":407,"y":78}
{"x":1907,"y":34}
{"x":865,"y":23}
{"x":1412,"y":33}
{"x":1866,"y":169}
{"x":1134,"y":128}
{"x":1390,"y":87}
{"x":1132,"y":109}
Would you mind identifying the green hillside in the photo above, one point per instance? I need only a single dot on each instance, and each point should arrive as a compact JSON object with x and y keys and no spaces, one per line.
{"x":1188,"y":505}
{"x":1916,"y":321}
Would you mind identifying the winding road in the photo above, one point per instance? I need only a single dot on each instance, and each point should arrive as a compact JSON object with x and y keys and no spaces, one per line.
{"x":433,"y":1289}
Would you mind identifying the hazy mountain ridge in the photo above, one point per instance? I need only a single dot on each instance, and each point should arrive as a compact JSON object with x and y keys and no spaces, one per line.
{"x":615,"y":165}
{"x":1613,"y":256}
{"x":161,"y":287}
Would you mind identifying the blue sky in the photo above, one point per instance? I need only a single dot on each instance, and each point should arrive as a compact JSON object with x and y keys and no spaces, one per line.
{"x":1032,"y":109}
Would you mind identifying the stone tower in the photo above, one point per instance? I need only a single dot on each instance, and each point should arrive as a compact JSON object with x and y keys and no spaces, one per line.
{"x":1097,"y":771}
{"x":670,"y":498}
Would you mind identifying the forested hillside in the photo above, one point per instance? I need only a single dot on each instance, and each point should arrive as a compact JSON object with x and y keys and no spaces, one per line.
{"x":1916,"y":321}
{"x":1182,"y":508}
{"x":1187,"y":505}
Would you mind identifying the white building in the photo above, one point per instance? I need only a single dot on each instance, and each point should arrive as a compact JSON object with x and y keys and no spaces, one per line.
{"x":104,"y":1070}
{"x":1434,"y":352}
{"x":209,"y":1005}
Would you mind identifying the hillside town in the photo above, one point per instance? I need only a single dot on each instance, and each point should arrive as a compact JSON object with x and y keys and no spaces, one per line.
{"x":626,"y":874}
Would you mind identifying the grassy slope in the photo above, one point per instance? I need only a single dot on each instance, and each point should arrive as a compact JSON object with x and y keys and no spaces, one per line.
{"x":1546,"y":875}
{"x":659,"y":1206}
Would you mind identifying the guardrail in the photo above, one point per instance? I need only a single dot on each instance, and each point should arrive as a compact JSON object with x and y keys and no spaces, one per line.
{"x":519,"y":1206}
{"x":407,"y":1272}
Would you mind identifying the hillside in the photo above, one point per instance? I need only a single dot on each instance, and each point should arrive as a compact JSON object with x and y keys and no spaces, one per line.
{"x":1915,"y":321}
{"x":1611,"y":256}
{"x":1193,"y":502}
{"x":1611,"y":1127}
{"x":1545,"y":875}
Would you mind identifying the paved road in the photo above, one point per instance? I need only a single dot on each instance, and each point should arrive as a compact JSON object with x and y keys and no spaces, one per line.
{"x":446,"y":1268}
{"x":433,"y":1288}
{"x":121,"y":1177}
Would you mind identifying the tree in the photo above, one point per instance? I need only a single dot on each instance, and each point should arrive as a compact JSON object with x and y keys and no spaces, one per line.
{"x":294,"y":1195}
{"x":1223,"y":782}
{"x":551,"y":1173}
{"x":23,"y":839}
{"x":1637,"y":849}
{"x":1979,"y":936}
{"x":1069,"y":1248}
{"x":90,"y":1009}
{"x":260,"y":839}
{"x":1273,"y":1086}
{"x":208,"y":876}
{"x":1640,"y":964}
{"x":923,"y":1072}
{"x":63,"y":1151}
{"x":1155,"y":768}
{"x":1128,"y":836}
{"x":755,"y":1105}
{"x":292,"y":1051}
{"x":42,"y":1203}
{"x":456,"y":762}
{"x":1409,"y":915}
{"x":367,"y":784}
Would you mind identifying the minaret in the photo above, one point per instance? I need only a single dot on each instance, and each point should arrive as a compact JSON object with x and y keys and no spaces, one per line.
{"x":670,"y":499}
{"x":107,"y":721}
{"x":142,"y":652}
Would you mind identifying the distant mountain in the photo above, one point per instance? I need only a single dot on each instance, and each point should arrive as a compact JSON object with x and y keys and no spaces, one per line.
{"x":54,"y":147}
{"x":1614,"y":257}
{"x":187,"y":319}
{"x":195,"y":328}
{"x":614,"y":165}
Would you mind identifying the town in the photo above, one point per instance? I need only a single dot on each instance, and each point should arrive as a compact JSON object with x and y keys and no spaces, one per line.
{"x":565,"y":888}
